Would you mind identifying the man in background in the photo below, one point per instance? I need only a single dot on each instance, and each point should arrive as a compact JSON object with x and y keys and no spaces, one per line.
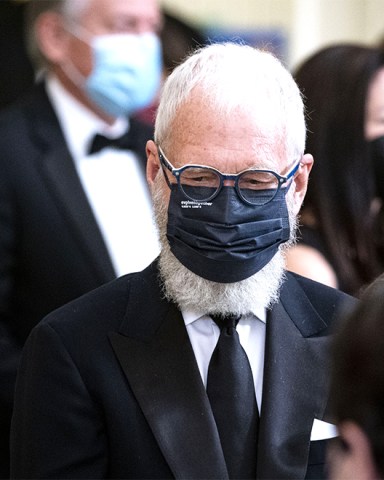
{"x":75,"y":210}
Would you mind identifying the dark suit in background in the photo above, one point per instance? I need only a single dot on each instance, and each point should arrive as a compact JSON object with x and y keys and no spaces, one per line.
{"x":51,"y":248}
{"x":16,"y":71}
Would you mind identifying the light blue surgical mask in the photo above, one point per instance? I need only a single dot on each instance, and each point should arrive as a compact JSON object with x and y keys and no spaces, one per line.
{"x":126,"y":72}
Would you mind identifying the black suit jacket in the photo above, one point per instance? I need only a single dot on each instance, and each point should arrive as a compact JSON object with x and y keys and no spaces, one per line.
{"x":51,"y":248}
{"x":109,"y":388}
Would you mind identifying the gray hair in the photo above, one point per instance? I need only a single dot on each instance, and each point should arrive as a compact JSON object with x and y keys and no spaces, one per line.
{"x":232,"y":76}
{"x":70,"y":10}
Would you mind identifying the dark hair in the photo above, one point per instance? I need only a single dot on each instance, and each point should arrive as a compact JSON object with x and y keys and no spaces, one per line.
{"x":357,"y":380}
{"x":178,"y":39}
{"x":335,"y":83}
{"x":33,"y":9}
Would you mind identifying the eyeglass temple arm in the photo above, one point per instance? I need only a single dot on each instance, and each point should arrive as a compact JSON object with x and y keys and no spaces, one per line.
{"x":164,"y":164}
{"x":290,"y":174}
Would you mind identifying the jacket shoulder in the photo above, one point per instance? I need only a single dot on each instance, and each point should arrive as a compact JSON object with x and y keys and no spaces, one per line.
{"x":324,"y":302}
{"x":20,"y":121}
{"x":106,"y":306}
{"x":316,"y":290}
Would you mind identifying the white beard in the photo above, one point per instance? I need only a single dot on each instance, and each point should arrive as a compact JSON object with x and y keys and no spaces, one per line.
{"x":191,"y":292}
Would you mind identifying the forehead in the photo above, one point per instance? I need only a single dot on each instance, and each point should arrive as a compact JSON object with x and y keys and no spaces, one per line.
{"x":140,"y":13}
{"x":231,"y":142}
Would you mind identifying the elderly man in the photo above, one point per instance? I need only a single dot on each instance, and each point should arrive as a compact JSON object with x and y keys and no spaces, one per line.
{"x":210,"y":363}
{"x":74,"y":201}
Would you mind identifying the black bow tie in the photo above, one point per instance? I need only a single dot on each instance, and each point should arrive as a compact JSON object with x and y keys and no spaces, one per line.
{"x":125,"y":142}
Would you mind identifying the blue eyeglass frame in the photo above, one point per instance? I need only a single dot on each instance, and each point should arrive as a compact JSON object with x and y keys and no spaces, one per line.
{"x":176,"y":172}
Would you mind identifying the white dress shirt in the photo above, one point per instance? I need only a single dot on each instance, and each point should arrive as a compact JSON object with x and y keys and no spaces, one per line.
{"x":113,"y":181}
{"x":204,"y":334}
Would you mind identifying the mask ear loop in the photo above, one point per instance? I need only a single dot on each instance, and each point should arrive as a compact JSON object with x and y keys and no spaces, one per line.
{"x":73,"y":74}
{"x":79,"y":32}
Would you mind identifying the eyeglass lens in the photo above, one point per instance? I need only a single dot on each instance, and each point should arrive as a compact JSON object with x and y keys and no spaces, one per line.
{"x":256,"y":187}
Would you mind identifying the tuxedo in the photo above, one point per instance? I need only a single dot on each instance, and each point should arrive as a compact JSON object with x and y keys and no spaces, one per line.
{"x":51,"y":247}
{"x":109,"y":387}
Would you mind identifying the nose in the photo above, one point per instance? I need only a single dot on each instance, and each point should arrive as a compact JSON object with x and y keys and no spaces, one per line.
{"x":229,"y":183}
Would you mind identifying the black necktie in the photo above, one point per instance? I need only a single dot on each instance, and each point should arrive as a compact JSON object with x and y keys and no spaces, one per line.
{"x":231,"y":392}
{"x":125,"y":142}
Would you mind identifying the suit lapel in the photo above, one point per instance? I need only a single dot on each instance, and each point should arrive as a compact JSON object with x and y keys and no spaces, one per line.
{"x":57,"y":168}
{"x":64,"y":184}
{"x":295,"y":379}
{"x":154,"y":351}
{"x":162,"y":372}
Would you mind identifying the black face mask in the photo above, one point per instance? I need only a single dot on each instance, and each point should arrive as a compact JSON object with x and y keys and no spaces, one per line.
{"x":226,"y":240}
{"x":377,"y":147}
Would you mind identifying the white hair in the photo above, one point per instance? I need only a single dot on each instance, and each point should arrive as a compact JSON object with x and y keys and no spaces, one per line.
{"x":70,"y":10}
{"x":231,"y":76}
{"x":73,"y":9}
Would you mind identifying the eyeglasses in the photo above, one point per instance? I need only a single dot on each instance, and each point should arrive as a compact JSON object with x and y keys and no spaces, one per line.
{"x":201,"y":184}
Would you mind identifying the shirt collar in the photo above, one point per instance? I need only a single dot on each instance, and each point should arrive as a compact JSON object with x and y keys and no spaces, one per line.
{"x":79,"y":124}
{"x":191,"y":316}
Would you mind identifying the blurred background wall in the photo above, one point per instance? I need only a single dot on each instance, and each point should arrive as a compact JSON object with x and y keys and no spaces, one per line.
{"x":295,"y":28}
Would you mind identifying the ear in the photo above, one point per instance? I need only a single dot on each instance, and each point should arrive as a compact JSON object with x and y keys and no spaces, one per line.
{"x":153,"y":162}
{"x":301,"y":180}
{"x":52,"y":37}
{"x":359,"y":451}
